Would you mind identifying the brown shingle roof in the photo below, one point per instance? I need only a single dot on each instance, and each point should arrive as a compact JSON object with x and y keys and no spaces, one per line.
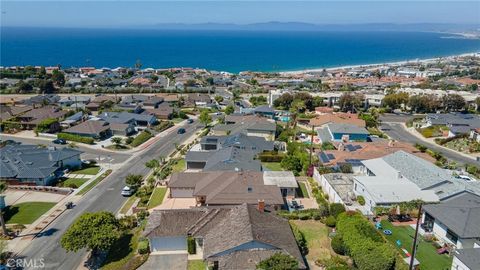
{"x":89,"y":127}
{"x":227,"y":188}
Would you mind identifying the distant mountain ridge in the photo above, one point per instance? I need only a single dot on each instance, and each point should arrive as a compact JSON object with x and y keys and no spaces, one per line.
{"x":301,"y":26}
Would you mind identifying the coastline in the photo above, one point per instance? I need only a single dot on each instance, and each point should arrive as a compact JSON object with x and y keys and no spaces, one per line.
{"x":373,"y":65}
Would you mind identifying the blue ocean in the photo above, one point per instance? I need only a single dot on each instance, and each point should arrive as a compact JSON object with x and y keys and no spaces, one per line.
{"x":231,"y":51}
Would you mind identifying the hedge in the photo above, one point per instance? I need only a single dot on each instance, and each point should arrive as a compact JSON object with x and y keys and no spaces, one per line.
{"x":364,"y":244}
{"x":306,"y":214}
{"x":191,"y":247}
{"x":337,"y":245}
{"x":270,"y":157}
{"x":143,"y":247}
{"x":75,"y":138}
{"x":300,"y":238}
{"x":141,"y":138}
{"x":361,"y":200}
{"x":330,"y":221}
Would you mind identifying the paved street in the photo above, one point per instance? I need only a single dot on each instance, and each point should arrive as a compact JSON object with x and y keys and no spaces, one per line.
{"x":105,"y":196}
{"x":396,"y":131}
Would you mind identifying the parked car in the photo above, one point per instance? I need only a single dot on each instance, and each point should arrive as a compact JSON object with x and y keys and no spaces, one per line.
{"x":180,"y":131}
{"x":127,"y":191}
{"x":59,"y":141}
{"x":190,"y":121}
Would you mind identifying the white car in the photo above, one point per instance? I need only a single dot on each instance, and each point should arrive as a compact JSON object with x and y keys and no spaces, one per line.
{"x":127,"y":191}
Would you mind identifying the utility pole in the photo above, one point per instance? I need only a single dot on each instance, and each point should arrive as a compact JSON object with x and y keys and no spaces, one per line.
{"x":414,"y":248}
{"x":311,"y":144}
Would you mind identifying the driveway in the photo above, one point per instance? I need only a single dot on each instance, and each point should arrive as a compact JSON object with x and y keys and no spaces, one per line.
{"x":165,"y":262}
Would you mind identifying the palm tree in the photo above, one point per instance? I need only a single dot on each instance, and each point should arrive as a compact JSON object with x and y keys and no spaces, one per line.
{"x":3,"y":187}
{"x":296,"y":107}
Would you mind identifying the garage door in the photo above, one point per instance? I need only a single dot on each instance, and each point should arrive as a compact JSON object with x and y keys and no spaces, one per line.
{"x":181,"y":192}
{"x":168,"y":243}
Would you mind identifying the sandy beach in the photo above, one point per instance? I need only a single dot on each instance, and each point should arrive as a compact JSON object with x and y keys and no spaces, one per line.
{"x":374,"y":65}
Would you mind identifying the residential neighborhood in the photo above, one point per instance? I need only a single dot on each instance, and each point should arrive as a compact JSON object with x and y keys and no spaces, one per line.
{"x":195,"y":169}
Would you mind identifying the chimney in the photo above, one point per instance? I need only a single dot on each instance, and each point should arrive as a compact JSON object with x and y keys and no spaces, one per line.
{"x":261,"y":205}
{"x":341,"y":147}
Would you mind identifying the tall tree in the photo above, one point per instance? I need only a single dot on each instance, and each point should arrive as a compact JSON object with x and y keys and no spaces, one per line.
{"x":94,"y":231}
{"x":453,"y":102}
{"x":349,"y":102}
{"x":152,"y":164}
{"x":298,"y":106}
{"x":205,"y":118}
{"x":134,"y":180}
{"x":58,"y":78}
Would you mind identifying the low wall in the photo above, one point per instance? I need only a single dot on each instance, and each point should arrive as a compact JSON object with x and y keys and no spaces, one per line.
{"x":57,"y":190}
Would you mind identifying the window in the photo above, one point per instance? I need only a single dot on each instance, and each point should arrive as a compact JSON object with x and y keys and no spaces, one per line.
{"x":452,"y":236}
{"x":250,"y":189}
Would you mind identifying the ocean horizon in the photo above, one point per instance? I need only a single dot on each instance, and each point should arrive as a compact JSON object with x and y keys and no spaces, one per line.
{"x":232,"y":51}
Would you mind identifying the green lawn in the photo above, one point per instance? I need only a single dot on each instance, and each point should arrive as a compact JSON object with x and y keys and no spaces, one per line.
{"x":272,"y":166}
{"x":94,"y":182}
{"x":90,"y":170}
{"x":316,"y":234}
{"x":128,"y":204}
{"x":302,"y":191}
{"x":123,"y":254}
{"x":180,"y":166}
{"x":26,"y":213}
{"x":76,"y":181}
{"x":157,"y":197}
{"x":426,"y":252}
{"x":196,"y":265}
{"x":177,"y":120}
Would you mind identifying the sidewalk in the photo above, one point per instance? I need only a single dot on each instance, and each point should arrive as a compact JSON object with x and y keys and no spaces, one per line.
{"x":18,"y":244}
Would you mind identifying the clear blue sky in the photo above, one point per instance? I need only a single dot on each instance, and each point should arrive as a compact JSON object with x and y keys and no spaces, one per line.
{"x":139,"y":13}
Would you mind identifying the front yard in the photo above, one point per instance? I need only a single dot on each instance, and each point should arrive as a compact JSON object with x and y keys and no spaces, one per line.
{"x":432,"y":131}
{"x":26,"y":213}
{"x":426,"y":251}
{"x":92,"y":170}
{"x":316,"y":234}
{"x":157,"y":197}
{"x":463,"y":145}
{"x":196,"y":265}
{"x":180,"y":166}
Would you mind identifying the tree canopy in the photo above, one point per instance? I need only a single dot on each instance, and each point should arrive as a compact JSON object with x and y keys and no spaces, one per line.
{"x":134,"y":180}
{"x":94,"y":231}
{"x":205,"y":118}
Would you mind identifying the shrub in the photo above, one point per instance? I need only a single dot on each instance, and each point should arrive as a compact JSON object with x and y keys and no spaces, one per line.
{"x":300,"y":238}
{"x":129,"y":140}
{"x":336,"y":209}
{"x":330,"y":221}
{"x":191,"y":247}
{"x":363,"y":243}
{"x":361,"y":200}
{"x":420,"y":147}
{"x":337,"y":245}
{"x":141,"y":138}
{"x":333,"y":263}
{"x":278,"y":261}
{"x":346,"y":168}
{"x":75,"y":138}
{"x":270,"y":157}
{"x":143,"y":247}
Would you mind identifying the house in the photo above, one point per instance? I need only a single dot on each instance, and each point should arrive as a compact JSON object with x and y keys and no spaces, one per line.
{"x":475,"y":135}
{"x":250,"y":125}
{"x":34,"y":165}
{"x":9,"y":112}
{"x":72,"y":120}
{"x":285,"y":180}
{"x":235,"y":152}
{"x":466,"y":259}
{"x":458,"y":123}
{"x":144,"y":100}
{"x":401,"y":177}
{"x":91,"y":128}
{"x":164,"y":111}
{"x":42,"y":100}
{"x":338,"y":187}
{"x":168,"y":98}
{"x":353,"y":152}
{"x":67,"y":101}
{"x":342,"y":132}
{"x":198,"y":100}
{"x":236,"y":237}
{"x":225,"y":188}
{"x":264,"y":111}
{"x":32,"y":118}
{"x":122,"y":129}
{"x":143,"y":120}
{"x":454,"y":221}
